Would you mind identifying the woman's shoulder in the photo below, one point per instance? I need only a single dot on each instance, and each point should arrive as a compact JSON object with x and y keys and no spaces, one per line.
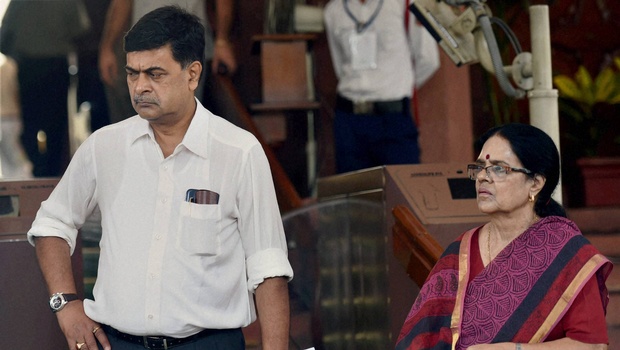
{"x":558,"y":222}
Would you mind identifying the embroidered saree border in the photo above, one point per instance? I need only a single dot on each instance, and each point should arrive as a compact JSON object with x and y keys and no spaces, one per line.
{"x":586,"y":272}
{"x":416,"y":331}
{"x":527,"y":318}
{"x":534,"y":314}
{"x":457,"y":314}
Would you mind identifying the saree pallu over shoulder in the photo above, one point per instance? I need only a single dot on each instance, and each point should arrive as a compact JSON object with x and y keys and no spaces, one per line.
{"x":519,"y":297}
{"x":427,"y":325}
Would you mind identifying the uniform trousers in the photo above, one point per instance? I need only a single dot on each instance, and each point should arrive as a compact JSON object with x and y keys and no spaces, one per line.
{"x":368,"y":140}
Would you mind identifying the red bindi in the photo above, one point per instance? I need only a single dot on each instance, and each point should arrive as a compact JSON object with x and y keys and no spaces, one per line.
{"x":488,"y":156}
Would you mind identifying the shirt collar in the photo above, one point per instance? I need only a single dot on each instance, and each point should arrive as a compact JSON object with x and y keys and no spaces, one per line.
{"x":195,"y":139}
{"x":197,"y":136}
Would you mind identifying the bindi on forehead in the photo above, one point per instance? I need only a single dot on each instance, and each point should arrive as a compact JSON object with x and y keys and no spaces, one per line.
{"x":488,"y":156}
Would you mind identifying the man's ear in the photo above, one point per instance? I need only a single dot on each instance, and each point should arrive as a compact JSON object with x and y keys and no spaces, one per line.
{"x":195,"y":71}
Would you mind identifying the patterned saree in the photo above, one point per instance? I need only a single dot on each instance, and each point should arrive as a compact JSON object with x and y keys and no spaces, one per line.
{"x":519,"y":297}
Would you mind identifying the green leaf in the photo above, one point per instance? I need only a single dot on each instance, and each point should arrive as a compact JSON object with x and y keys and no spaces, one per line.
{"x":604,"y":85}
{"x":568,"y":88}
{"x":584,"y":81}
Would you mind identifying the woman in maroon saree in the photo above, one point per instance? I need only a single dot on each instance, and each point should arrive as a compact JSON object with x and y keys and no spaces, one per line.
{"x":528,"y":279}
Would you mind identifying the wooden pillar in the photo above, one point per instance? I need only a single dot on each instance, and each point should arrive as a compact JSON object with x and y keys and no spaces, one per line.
{"x":446,"y":132}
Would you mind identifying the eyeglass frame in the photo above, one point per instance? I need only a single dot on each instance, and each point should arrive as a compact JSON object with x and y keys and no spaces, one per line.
{"x":508,"y":169}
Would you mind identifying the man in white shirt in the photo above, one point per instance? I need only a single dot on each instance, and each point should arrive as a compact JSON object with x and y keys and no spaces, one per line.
{"x":191,"y":226}
{"x":379,"y":54}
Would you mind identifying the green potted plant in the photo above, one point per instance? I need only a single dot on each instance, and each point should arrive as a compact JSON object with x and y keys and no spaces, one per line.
{"x":590,"y":131}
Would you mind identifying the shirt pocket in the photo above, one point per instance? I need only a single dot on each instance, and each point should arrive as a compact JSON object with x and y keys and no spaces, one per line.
{"x":199,"y":228}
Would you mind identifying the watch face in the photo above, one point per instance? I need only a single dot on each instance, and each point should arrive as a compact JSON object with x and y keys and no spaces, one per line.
{"x":59,"y":300}
{"x":56,"y":302}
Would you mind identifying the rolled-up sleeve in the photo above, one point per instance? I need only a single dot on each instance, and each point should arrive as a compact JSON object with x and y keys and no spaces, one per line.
{"x":260,"y":222}
{"x":70,"y":203}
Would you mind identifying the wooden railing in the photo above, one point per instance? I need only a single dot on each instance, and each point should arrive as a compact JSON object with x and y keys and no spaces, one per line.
{"x":228,"y":104}
{"x":414,"y":247}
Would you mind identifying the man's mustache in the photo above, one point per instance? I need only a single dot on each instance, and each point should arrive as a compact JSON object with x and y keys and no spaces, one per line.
{"x":145,"y":99}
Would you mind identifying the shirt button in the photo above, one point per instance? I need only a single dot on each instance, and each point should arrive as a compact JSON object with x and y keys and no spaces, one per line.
{"x":164,"y":200}
{"x":158,"y":237}
{"x":153,"y":276}
{"x":150,"y":317}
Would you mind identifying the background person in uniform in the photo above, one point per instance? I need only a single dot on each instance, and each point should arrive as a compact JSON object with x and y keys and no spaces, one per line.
{"x":379,"y":55}
{"x":13,"y":159}
{"x":191,"y":229}
{"x":39,"y":35}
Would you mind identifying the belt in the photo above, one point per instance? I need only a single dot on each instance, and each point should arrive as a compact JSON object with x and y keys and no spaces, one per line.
{"x":370,"y":107}
{"x":156,"y":342}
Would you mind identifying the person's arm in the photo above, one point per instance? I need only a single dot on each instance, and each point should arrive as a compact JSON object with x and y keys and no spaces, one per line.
{"x":222,"y":47}
{"x":54,"y":258}
{"x":560,"y":344}
{"x":424,"y":53}
{"x":116,"y":21}
{"x":272,"y":305}
{"x":332,"y":41}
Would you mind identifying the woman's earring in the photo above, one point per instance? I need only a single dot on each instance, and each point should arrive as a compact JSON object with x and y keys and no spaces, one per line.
{"x":532,"y":198}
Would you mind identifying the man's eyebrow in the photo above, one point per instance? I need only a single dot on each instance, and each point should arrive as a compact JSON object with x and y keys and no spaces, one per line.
{"x":148,"y":70}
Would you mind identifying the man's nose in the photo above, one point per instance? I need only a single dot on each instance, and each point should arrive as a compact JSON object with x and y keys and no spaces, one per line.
{"x":142,"y":83}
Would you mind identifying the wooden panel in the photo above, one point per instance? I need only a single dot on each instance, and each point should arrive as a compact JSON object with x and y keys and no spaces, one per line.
{"x":284,"y":75}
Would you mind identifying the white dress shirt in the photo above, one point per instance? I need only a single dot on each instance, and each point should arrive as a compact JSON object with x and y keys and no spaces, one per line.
{"x":168,"y":266}
{"x":402,"y":58}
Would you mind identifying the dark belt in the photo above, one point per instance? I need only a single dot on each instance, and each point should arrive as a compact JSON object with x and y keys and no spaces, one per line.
{"x":156,"y":342}
{"x":370,"y":107}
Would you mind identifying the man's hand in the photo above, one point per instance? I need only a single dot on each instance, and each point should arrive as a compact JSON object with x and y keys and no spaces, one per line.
{"x":223,"y":55}
{"x":108,"y":68}
{"x":78,"y":328}
{"x":116,"y":21}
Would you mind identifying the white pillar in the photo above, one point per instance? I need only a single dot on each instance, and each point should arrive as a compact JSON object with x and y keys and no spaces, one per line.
{"x":543,"y":99}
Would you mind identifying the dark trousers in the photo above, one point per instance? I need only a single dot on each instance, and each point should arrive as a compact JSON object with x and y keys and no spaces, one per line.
{"x":226,"y":339}
{"x":91,"y":90}
{"x":44,"y":87}
{"x":368,"y":140}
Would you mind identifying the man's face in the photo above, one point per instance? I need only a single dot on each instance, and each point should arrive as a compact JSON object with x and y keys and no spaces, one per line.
{"x":161,"y":91}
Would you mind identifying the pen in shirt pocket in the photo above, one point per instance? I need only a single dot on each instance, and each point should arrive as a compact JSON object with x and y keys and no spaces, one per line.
{"x":201,"y":196}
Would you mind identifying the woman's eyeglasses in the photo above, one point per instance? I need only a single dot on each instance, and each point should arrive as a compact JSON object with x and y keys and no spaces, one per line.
{"x":496,"y":172}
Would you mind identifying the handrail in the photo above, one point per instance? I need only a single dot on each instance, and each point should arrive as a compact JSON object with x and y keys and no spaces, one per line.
{"x":414,"y":247}
{"x":225,"y":96}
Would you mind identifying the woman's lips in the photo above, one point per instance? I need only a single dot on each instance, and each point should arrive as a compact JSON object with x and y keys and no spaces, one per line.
{"x":483,"y":192}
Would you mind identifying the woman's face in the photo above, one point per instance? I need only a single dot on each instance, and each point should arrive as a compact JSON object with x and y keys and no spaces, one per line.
{"x":508,"y":194}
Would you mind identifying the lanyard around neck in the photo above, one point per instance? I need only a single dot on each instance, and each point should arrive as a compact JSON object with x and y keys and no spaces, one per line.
{"x":361,"y":26}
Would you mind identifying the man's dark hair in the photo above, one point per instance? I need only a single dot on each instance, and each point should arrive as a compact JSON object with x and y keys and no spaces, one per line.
{"x":169,"y":25}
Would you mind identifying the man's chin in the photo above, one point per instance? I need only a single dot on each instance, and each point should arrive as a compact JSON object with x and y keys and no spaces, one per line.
{"x":146,"y":112}
{"x":147,"y":116}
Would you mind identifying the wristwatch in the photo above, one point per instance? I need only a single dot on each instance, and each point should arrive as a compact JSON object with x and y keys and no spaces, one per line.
{"x":59,"y":300}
